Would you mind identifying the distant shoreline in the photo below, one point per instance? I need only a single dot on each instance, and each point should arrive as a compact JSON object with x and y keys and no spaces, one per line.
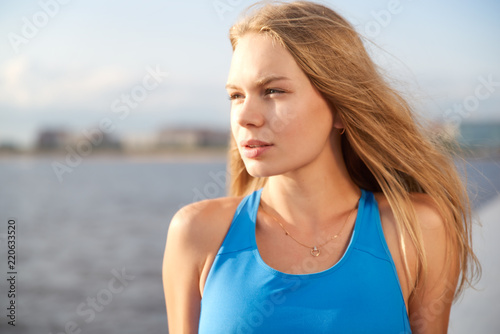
{"x":199,"y":155}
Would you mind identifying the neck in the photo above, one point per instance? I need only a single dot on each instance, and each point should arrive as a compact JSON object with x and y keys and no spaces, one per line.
{"x":313,"y":196}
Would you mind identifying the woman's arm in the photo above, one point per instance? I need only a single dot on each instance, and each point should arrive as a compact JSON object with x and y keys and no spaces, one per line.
{"x":430,"y":304}
{"x":182,"y":265}
{"x":194,"y":238}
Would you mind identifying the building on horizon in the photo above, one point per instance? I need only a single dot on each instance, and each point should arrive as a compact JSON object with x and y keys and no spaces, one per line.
{"x":59,"y":139}
{"x":192,"y":138}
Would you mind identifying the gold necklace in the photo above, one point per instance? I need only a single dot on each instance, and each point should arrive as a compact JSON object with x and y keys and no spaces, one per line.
{"x":315,"y":250}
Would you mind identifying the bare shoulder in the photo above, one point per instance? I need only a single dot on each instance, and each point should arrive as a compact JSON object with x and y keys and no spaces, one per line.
{"x":203,"y":213}
{"x":429,"y":216}
{"x":427,"y":213}
{"x":429,"y":221}
{"x":201,"y":226}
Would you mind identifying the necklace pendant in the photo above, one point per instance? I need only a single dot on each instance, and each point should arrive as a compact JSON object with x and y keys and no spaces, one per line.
{"x":315,"y":251}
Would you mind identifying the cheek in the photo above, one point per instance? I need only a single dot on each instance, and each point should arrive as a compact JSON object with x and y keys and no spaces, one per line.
{"x":313,"y":121}
{"x":283,"y":119}
{"x":234,"y":126}
{"x":321,"y":115}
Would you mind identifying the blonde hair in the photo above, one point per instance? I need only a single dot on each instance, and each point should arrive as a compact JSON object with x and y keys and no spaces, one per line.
{"x":384,"y":147}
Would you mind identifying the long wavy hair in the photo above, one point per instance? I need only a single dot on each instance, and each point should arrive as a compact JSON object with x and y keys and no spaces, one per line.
{"x":384,"y":146}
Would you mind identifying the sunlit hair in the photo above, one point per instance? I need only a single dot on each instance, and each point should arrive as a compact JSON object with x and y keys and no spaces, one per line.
{"x":384,"y":147}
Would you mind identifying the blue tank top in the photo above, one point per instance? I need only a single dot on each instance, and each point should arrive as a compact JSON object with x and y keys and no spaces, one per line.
{"x":359,"y":294}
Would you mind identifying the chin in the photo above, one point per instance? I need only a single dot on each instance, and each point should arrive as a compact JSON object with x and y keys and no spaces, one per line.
{"x":263,"y":169}
{"x":258,"y":172}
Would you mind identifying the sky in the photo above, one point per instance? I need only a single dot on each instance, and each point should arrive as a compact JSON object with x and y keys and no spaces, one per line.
{"x":146,"y":65}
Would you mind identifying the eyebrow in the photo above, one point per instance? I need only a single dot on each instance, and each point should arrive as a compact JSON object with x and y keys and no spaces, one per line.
{"x":262,"y":81}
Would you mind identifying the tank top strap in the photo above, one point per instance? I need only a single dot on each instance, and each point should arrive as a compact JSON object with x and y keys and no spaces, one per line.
{"x":370,"y":234}
{"x":242,"y":229}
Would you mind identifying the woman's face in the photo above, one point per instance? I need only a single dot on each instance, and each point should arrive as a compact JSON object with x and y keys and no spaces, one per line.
{"x":279,"y":121}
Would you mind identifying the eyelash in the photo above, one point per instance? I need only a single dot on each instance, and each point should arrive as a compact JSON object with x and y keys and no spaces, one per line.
{"x":277,"y":91}
{"x":267,"y":91}
{"x":233,"y":96}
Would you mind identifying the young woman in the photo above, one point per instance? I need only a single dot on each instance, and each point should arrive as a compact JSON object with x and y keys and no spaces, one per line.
{"x":343,"y":217}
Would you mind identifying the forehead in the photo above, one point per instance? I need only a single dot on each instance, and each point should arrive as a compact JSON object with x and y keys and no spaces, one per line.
{"x":256,"y":56}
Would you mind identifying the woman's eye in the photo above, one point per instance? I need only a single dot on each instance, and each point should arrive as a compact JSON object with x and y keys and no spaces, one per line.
{"x":273,"y":91}
{"x":234,"y":96}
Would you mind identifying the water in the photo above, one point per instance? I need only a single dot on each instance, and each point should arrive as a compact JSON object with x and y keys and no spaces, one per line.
{"x":108,"y":218}
{"x":105,"y":215}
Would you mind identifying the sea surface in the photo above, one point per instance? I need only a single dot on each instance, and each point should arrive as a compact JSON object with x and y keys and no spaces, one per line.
{"x":89,"y":245}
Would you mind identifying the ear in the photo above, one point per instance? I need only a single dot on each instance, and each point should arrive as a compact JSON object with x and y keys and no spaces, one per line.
{"x":337,"y":118}
{"x":337,"y":121}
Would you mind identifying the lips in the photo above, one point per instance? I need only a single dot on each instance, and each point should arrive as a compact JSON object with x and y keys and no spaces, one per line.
{"x":254,"y":148}
{"x":254,"y":143}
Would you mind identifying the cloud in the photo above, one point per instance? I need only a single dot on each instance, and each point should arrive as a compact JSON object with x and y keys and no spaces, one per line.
{"x":31,"y":85}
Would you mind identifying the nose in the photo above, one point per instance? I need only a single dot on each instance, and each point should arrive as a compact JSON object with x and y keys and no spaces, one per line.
{"x":249,"y":113}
